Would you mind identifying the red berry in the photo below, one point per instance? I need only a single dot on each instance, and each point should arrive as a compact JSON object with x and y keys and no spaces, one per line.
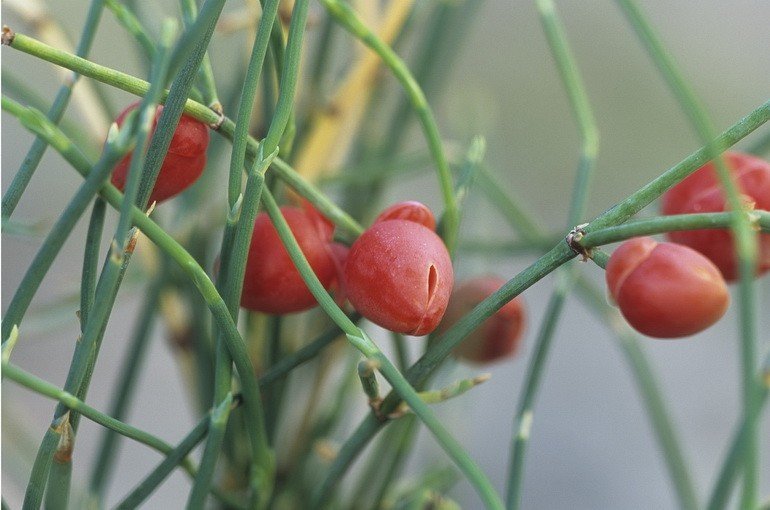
{"x":665,"y":290}
{"x":183,"y":163}
{"x":399,"y":275}
{"x":497,"y":337}
{"x":410,"y":211}
{"x":701,"y":192}
{"x":272,"y":283}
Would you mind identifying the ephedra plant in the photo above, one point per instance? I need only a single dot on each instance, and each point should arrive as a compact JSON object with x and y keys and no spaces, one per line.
{"x":260,"y":268}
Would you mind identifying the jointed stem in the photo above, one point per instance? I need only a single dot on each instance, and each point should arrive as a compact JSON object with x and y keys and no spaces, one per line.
{"x":35,"y":154}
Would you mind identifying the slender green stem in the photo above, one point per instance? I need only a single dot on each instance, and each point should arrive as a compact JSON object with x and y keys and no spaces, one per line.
{"x":145,"y":133}
{"x":35,"y":153}
{"x":419,"y":372}
{"x":91,"y":259}
{"x":289,"y":73}
{"x":648,"y":193}
{"x":124,"y":387}
{"x":133,"y":26}
{"x":745,"y":240}
{"x":16,"y":87}
{"x":644,"y":376}
{"x":589,"y":137}
{"x":405,"y":433}
{"x":210,"y":96}
{"x":206,"y":288}
{"x":63,"y":227}
{"x":305,"y":354}
{"x":578,"y":98}
{"x":217,"y":427}
{"x":661,"y":224}
{"x":33,"y":496}
{"x":319,"y":200}
{"x":86,"y":351}
{"x":47,"y":389}
{"x":525,"y":414}
{"x":346,"y":17}
{"x":161,"y":472}
{"x":248,"y":94}
{"x":359,"y":340}
{"x":450,"y":445}
{"x":235,"y":247}
{"x":733,"y":463}
{"x":194,"y":41}
{"x":510,"y":209}
{"x":619,"y":213}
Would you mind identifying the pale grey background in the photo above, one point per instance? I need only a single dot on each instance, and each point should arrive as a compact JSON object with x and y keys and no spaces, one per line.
{"x":592,"y":446}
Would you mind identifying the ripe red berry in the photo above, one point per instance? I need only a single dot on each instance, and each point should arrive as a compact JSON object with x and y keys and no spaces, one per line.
{"x":399,"y":275}
{"x":665,"y":290}
{"x":497,"y":337}
{"x":272,"y":283}
{"x":183,"y":163}
{"x":701,"y":192}
{"x":411,"y":211}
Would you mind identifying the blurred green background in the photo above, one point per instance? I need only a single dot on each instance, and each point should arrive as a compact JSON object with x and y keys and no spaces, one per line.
{"x":592,"y":446}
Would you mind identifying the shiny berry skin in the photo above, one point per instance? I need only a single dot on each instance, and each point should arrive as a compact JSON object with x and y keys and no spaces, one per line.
{"x":399,"y":275}
{"x":272,"y":283}
{"x":701,"y":192}
{"x":497,"y":337}
{"x":410,"y":211}
{"x":183,"y":164}
{"x":665,"y":290}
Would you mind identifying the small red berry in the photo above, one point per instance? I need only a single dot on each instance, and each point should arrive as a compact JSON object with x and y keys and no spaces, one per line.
{"x":497,"y":337}
{"x":411,"y":211}
{"x":399,"y":275}
{"x":183,"y":164}
{"x":665,"y":290}
{"x":272,"y":283}
{"x":701,"y":192}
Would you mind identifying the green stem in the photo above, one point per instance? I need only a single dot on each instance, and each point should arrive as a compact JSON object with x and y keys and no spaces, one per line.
{"x":359,"y":340}
{"x":133,"y":26}
{"x":289,"y":73}
{"x":746,"y":244}
{"x":91,"y":260}
{"x":248,"y":94}
{"x":33,"y":496}
{"x":63,"y":227}
{"x":217,"y":427}
{"x":661,"y":224}
{"x":589,"y":138}
{"x":645,"y":379}
{"x":21,"y":90}
{"x":346,"y":17}
{"x":524,"y":413}
{"x":306,"y":353}
{"x":205,"y":287}
{"x":194,"y":42}
{"x":124,"y":387}
{"x":70,"y":401}
{"x":135,"y":498}
{"x":35,"y":153}
{"x":235,"y":248}
{"x":210,"y":96}
{"x":733,"y":463}
{"x":419,"y":372}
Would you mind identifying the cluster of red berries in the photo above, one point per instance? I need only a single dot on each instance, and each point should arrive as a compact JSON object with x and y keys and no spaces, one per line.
{"x":676,"y":289}
{"x":399,"y":275}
